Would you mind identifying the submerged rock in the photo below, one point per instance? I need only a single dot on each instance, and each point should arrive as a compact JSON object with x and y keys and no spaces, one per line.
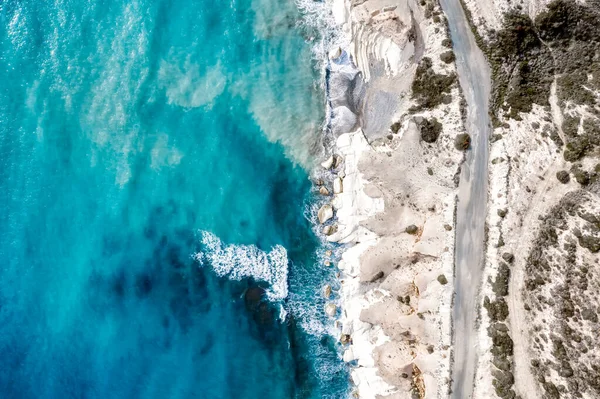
{"x":327,"y":291}
{"x":323,"y":190}
{"x":325,"y":213}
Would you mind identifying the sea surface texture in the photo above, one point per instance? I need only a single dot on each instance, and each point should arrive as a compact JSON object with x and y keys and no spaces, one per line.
{"x":155,"y":239}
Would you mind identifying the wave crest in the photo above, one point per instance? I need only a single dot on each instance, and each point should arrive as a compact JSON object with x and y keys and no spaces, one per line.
{"x":237,"y":262}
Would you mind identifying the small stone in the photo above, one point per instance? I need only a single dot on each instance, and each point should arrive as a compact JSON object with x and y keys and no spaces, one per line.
{"x":447,"y":227}
{"x":327,"y":291}
{"x":330,"y":309}
{"x":325,"y":213}
{"x":323,"y":190}
{"x":442,"y":279}
{"x":502,"y":212}
{"x":412,"y":229}
{"x":430,"y":171}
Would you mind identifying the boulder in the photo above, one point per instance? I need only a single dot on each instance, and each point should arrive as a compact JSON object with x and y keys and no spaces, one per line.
{"x":337,"y":203}
{"x":345,"y":339}
{"x":330,"y":309}
{"x":337,"y":160}
{"x":325,"y":213}
{"x":329,"y":229}
{"x":328,"y":163}
{"x":323,"y":190}
{"x":338,"y":185}
{"x":327,"y":291}
{"x":348,"y":355}
{"x":442,"y":279}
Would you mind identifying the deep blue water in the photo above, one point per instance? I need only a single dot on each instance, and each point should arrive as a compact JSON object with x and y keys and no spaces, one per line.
{"x":130,"y":132}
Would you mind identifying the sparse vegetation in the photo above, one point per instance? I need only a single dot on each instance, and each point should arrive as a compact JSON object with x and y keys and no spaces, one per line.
{"x":428,"y":87}
{"x":430,"y":130}
{"x":462,"y":142}
{"x":448,"y":56}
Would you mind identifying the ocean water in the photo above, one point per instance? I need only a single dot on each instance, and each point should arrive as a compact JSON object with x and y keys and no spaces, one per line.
{"x":155,"y":239}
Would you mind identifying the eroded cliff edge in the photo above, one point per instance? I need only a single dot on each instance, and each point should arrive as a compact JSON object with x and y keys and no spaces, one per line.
{"x":391,"y":184}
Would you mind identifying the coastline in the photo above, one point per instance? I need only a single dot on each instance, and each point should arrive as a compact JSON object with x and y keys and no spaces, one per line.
{"x":394,"y":198}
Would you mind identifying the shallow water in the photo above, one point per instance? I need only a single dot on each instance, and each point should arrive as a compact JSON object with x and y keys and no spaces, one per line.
{"x":129,"y":132}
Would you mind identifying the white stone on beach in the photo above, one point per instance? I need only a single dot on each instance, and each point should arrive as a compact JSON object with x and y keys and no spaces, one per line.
{"x":347,"y":329}
{"x":325,"y":213}
{"x":335,"y":53}
{"x":331,"y":309}
{"x":337,"y":202}
{"x":348,"y":355}
{"x":328,"y":163}
{"x":338,"y":186}
{"x":330,"y":229}
{"x":337,"y":160}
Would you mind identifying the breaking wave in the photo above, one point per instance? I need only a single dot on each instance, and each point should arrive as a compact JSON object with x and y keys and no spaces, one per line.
{"x":238,"y":262}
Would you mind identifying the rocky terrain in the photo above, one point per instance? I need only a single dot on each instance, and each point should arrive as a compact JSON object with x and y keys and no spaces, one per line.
{"x":389,"y":192}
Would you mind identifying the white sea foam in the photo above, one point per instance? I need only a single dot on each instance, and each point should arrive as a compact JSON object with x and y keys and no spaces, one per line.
{"x":318,"y":16}
{"x":246,"y":261}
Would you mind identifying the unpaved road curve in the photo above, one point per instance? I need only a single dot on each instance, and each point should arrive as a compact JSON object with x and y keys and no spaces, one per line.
{"x":474,"y":76}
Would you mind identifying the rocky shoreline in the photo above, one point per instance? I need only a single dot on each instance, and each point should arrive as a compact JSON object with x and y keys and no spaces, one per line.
{"x":397,"y":123}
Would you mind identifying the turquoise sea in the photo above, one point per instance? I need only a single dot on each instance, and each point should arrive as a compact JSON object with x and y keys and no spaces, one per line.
{"x":154,"y":200}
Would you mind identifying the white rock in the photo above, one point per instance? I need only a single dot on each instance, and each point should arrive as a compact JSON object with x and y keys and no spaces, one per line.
{"x":330,"y":309}
{"x":328,"y":163}
{"x":325,"y":213}
{"x":348,"y":355}
{"x":347,"y":329}
{"x":335,"y":53}
{"x":338,"y":185}
{"x":327,"y":291}
{"x":323,"y":190}
{"x":330,"y":229}
{"x":337,"y":160}
{"x":337,"y":202}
